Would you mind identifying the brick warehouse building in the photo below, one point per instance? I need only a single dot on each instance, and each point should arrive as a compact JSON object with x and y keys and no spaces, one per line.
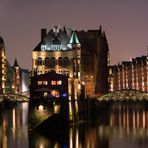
{"x":83,"y":56}
{"x":130,"y":75}
{"x":13,"y":79}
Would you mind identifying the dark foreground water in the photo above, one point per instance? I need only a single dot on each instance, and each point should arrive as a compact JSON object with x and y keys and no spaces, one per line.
{"x":119,"y":125}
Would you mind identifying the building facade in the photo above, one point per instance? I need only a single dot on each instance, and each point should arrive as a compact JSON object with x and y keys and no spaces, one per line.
{"x":80,"y":55}
{"x":2,"y":66}
{"x":94,"y":61}
{"x":130,"y":75}
{"x":12,"y":78}
{"x":49,"y":86}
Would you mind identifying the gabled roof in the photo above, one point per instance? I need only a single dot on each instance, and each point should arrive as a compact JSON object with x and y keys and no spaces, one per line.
{"x":38,"y":47}
{"x":55,"y":36}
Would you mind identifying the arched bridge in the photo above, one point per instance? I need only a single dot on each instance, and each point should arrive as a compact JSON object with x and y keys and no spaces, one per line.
{"x":124,"y":95}
{"x":14,"y":97}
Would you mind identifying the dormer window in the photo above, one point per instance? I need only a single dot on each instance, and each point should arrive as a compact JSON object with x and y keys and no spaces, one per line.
{"x":56,"y":47}
{"x":43,"y":47}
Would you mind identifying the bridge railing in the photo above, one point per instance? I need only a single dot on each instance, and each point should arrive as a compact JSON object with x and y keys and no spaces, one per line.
{"x":124,"y":95}
{"x":13,"y":97}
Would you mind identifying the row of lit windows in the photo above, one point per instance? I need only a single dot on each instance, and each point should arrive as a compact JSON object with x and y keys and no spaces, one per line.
{"x":53,"y":47}
{"x":56,"y":82}
{"x":53,"y":61}
{"x":42,"y":82}
{"x":64,"y":72}
{"x":59,"y":82}
{"x":54,"y":93}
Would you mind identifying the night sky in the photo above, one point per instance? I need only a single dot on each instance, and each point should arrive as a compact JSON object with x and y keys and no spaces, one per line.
{"x":124,"y":21}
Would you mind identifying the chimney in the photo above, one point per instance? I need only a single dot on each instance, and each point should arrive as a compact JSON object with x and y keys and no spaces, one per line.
{"x":43,"y":33}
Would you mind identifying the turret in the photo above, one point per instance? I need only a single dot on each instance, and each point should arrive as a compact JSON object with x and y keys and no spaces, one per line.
{"x":17,"y":76}
{"x":15,"y":63}
{"x":74,"y":42}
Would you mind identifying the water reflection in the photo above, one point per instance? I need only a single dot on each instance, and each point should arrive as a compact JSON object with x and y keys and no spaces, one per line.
{"x":130,"y":121}
{"x":13,"y":127}
{"x":129,"y":117}
{"x":104,"y":126}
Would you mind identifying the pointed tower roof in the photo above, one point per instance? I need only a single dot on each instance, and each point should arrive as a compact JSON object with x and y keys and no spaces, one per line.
{"x":74,"y":39}
{"x":16,"y":63}
{"x":1,"y":40}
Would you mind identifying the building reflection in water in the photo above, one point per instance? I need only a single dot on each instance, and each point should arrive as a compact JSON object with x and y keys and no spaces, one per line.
{"x":14,"y":126}
{"x":129,"y":117}
{"x":115,"y":125}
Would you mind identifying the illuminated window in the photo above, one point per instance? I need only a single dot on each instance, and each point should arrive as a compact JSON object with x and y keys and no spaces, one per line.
{"x":43,"y":47}
{"x":45,"y":94}
{"x":47,"y":62}
{"x":53,"y":61}
{"x":39,"y":82}
{"x":56,"y":47}
{"x":60,"y":63}
{"x":45,"y":82}
{"x":55,"y":93}
{"x":66,"y":61}
{"x":59,"y":82}
{"x":53,"y":82}
{"x":41,"y":108}
{"x":39,"y":61}
{"x":110,"y":71}
{"x":3,"y":78}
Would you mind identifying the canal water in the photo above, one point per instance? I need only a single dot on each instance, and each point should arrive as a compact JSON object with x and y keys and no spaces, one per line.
{"x":112,"y":125}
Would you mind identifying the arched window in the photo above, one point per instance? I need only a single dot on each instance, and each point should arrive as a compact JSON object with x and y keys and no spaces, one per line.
{"x":66,"y":61}
{"x":60,"y":62}
{"x":53,"y":61}
{"x":39,"y":61}
{"x":47,"y":62}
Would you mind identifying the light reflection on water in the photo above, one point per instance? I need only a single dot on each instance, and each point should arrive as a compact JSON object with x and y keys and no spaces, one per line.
{"x":118,"y":125}
{"x":14,"y":127}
